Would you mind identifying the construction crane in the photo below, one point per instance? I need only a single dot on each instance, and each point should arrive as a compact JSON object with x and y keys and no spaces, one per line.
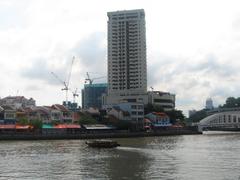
{"x":66,"y":82}
{"x":90,"y":80}
{"x":75,"y":94}
{"x":152,"y":88}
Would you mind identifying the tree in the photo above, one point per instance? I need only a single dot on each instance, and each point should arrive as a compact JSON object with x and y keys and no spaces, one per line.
{"x":148,"y":108}
{"x":36,"y":123}
{"x":198,"y":116}
{"x":23,"y":121}
{"x":55,"y":122}
{"x":230,"y":102}
{"x":123,"y":125}
{"x":153,"y":108}
{"x":87,"y":119}
{"x":176,"y":114}
{"x":158,"y":108}
{"x":119,"y":124}
{"x":238,"y":101}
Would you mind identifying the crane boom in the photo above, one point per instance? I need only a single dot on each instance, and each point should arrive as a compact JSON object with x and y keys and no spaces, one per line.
{"x":70,"y":72}
{"x":61,"y":81}
{"x":98,"y":77}
{"x":75,"y":94}
{"x":90,"y":80}
{"x":65,"y":83}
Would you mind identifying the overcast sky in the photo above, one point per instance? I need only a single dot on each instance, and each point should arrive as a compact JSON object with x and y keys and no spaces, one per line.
{"x":193,"y":47}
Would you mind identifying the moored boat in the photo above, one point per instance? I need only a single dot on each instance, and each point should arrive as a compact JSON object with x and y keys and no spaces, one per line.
{"x":103,"y":144}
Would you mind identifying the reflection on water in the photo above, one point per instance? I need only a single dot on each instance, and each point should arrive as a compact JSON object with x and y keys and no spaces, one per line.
{"x":176,"y":157}
{"x":128,"y":164}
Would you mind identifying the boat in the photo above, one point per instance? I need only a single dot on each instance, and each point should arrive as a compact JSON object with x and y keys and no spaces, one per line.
{"x":102,"y":144}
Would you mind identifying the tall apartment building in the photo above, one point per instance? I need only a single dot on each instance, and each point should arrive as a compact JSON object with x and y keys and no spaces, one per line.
{"x":127,"y":72}
{"x":127,"y":67}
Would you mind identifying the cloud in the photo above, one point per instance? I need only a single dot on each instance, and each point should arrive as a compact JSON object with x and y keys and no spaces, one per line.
{"x":92,"y":53}
{"x":41,"y":70}
{"x":193,"y":60}
{"x":33,"y":88}
{"x":236,"y":23}
{"x":211,"y":65}
{"x":11,"y":15}
{"x":194,"y":80}
{"x":157,"y":67}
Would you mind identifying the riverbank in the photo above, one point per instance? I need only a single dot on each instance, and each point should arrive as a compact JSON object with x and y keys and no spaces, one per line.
{"x":94,"y":135}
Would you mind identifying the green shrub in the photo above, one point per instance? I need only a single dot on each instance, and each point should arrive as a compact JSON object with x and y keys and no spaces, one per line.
{"x":36,"y":123}
{"x":87,"y":119}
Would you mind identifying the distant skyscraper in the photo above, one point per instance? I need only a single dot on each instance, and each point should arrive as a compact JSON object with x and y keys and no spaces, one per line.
{"x":127,"y":72}
{"x":209,"y":103}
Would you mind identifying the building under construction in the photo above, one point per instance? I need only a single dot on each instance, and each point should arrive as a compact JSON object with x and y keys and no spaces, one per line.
{"x":92,"y":95}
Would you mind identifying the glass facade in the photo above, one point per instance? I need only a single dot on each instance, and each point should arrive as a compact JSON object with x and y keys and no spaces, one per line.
{"x":92,"y":95}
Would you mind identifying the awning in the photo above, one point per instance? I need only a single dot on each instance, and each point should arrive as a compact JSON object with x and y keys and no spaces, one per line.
{"x":24,"y":127}
{"x":147,"y":121}
{"x":47,"y":126}
{"x":67,"y":126}
{"x":73,"y":126}
{"x":7,"y":126}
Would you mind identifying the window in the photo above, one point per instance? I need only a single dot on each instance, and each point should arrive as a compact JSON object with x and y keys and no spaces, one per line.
{"x":163,"y":100}
{"x":134,"y":112}
{"x":140,"y":113}
{"x":9,"y":116}
{"x":234,"y":119}
{"x":134,"y":119}
{"x":229,"y":118}
{"x":134,"y":107}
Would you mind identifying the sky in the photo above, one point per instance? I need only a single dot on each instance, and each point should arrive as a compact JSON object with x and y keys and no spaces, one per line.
{"x":193,"y":47}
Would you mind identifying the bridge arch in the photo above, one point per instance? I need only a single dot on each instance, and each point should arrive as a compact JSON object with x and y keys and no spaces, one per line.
{"x":230,"y":119}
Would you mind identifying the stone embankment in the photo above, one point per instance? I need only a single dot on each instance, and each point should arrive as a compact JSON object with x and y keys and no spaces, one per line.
{"x":93,"y":134}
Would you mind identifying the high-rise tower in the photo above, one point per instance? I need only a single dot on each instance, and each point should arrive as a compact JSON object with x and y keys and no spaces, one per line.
{"x":127,"y":67}
{"x":209,"y":103}
{"x":127,"y":72}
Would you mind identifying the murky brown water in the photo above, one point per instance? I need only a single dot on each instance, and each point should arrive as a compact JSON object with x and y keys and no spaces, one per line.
{"x":203,"y":157}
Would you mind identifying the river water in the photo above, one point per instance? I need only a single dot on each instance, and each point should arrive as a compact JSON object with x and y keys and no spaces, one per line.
{"x":203,"y":157}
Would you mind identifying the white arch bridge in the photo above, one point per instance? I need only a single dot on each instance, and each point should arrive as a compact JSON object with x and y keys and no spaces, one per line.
{"x":226,"y":121}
